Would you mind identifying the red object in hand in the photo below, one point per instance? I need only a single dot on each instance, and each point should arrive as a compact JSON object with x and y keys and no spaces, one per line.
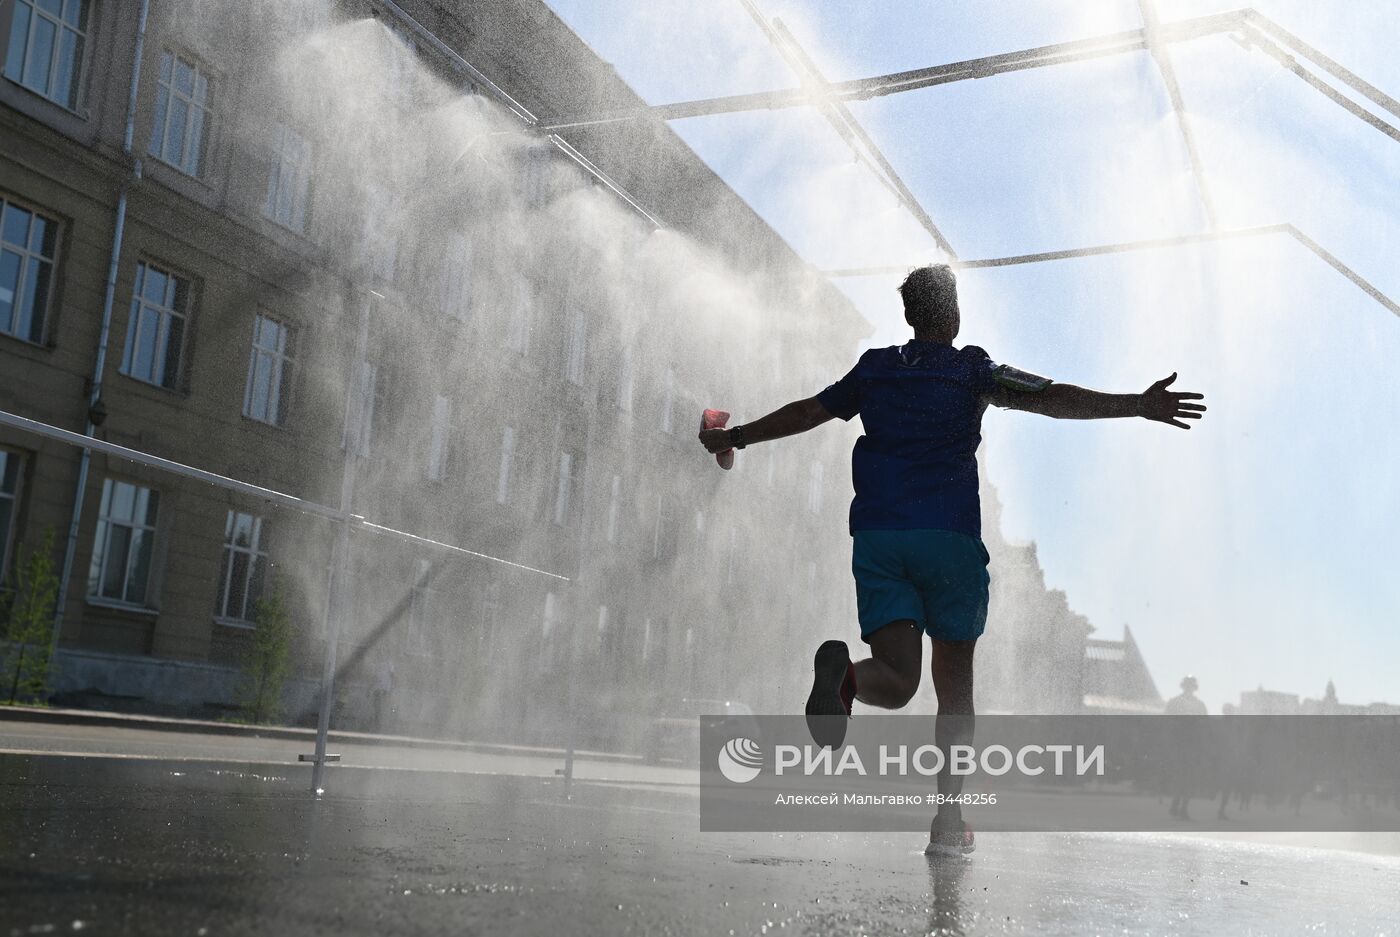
{"x":716,"y":419}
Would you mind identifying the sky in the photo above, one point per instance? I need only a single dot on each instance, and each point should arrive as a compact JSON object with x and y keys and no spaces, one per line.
{"x":1258,"y":549}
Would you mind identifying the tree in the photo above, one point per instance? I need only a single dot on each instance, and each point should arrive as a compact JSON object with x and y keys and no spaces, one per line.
{"x":29,"y":623}
{"x":268,"y":658}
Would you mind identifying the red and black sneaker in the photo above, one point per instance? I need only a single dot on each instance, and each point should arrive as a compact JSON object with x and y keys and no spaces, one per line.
{"x":951,"y":844}
{"x":833,"y":689}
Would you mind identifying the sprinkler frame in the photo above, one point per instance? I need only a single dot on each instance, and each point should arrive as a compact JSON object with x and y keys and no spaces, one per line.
{"x":1248,"y":25}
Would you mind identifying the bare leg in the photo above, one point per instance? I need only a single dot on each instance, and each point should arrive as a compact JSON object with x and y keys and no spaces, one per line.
{"x":889,"y":677}
{"x":951,"y":667}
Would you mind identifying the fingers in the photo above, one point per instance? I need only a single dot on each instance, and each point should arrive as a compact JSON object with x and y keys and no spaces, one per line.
{"x":1191,"y":406}
{"x":1181,"y":395}
{"x":1179,"y":423}
{"x":1164,"y":382}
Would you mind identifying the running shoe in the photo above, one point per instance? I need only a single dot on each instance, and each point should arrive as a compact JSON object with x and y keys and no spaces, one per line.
{"x":951,"y":844}
{"x":828,"y":706}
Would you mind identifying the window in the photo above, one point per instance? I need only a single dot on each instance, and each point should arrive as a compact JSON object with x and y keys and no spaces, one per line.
{"x":732,"y":556}
{"x":566,"y":483}
{"x":121,"y":551}
{"x":269,"y":371}
{"x":244,"y":567}
{"x":155,"y":335}
{"x":668,"y":401}
{"x":180,"y":134}
{"x":536,"y":176}
{"x":507,"y":457}
{"x":289,"y":179}
{"x":665,"y":535}
{"x":437,"y":441}
{"x":557,"y":635}
{"x":490,"y":615}
{"x":614,"y":508}
{"x":626,"y":379}
{"x":422,"y":613}
{"x":27,"y":242}
{"x":814,"y":488}
{"x":602,"y":631}
{"x":10,"y":464}
{"x":455,"y":284}
{"x":551,"y":615}
{"x":577,"y":344}
{"x":382,"y":427}
{"x":380,"y":237}
{"x":522,"y":315}
{"x":46,"y":47}
{"x":359,"y":410}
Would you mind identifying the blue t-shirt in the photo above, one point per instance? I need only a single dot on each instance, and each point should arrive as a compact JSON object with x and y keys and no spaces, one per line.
{"x":921,"y":404}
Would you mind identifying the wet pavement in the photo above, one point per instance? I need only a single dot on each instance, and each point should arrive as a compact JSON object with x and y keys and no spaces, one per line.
{"x":371,"y":752}
{"x":152,"y":846}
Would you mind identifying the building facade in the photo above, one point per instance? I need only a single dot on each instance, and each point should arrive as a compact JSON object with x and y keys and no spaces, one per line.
{"x":499,"y":351}
{"x":303,"y":245}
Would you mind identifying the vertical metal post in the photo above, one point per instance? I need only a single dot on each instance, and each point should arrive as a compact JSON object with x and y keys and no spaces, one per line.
{"x":338,"y":599}
{"x":335,"y":613}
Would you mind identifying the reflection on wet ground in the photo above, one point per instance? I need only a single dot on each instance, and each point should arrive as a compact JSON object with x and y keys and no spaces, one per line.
{"x":106,"y":845}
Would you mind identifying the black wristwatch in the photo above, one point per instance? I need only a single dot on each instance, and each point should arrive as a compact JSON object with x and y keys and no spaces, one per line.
{"x":736,"y":436}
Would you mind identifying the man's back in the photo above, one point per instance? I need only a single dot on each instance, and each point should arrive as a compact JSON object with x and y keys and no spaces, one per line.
{"x":921,"y":404}
{"x":1185,"y":704}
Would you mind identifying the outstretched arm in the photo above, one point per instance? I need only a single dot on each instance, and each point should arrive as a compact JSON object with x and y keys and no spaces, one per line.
{"x":789,"y":420}
{"x":1068,"y":402}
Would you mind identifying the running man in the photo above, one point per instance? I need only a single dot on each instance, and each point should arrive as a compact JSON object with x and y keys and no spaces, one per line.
{"x":918,"y":559}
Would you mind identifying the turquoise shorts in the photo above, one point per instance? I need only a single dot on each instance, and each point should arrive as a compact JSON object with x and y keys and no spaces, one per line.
{"x":936,"y":578}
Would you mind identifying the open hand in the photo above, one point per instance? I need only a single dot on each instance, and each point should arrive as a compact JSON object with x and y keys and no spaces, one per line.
{"x":1169,"y":406}
{"x":715,"y":440}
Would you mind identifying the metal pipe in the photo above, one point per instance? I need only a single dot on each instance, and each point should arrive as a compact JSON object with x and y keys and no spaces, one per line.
{"x":268,"y":495}
{"x":1331,"y":260}
{"x":1262,"y":24}
{"x":1288,"y":62}
{"x":515,"y":107}
{"x":1153,"y":30}
{"x":461,"y":64}
{"x":1292,"y":231}
{"x":362,"y":524}
{"x":59,"y":434}
{"x":828,"y":109}
{"x":1094,"y":251}
{"x":860,"y":89}
{"x":843,"y":116}
{"x":104,"y":333}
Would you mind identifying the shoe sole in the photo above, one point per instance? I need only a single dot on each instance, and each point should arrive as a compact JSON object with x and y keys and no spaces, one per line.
{"x":826,"y":714}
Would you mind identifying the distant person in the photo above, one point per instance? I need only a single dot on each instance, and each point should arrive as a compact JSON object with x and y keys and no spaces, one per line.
{"x":1186,"y":703}
{"x":918,"y":559}
{"x":1187,"y":748}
